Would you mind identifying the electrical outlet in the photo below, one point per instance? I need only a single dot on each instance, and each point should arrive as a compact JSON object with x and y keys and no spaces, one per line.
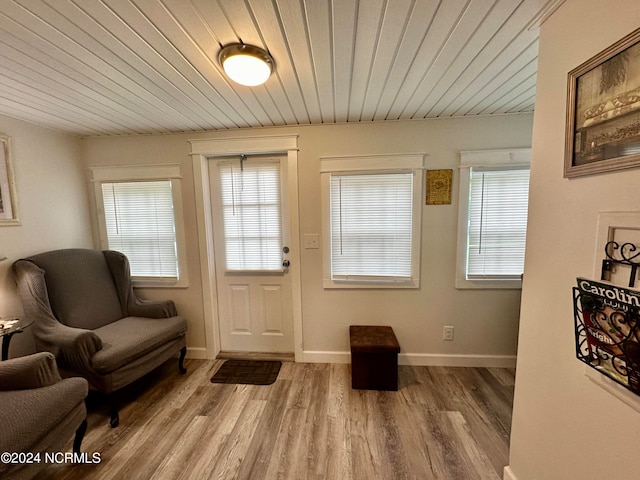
{"x":311,"y":240}
{"x":447,"y":333}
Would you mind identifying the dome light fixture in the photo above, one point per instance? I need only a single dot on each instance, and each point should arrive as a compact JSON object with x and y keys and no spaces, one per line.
{"x":246,"y":64}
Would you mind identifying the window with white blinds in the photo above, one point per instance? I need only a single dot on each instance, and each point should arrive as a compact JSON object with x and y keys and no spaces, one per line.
{"x":492,"y":218}
{"x":139,"y":218}
{"x":139,"y":212}
{"x":371,"y":226}
{"x":498,"y":205}
{"x":371,"y":221}
{"x":251,"y":209}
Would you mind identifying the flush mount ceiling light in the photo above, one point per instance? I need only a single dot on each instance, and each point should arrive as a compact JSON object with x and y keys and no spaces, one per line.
{"x":246,"y":64}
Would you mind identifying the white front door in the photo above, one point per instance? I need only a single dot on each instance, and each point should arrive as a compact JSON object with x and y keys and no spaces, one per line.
{"x":251,"y":243}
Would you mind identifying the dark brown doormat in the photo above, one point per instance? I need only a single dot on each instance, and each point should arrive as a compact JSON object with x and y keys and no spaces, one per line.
{"x":248,"y":372}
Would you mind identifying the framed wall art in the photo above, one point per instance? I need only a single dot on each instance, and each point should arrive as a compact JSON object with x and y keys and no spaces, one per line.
{"x":439,"y":187}
{"x":603,"y":111}
{"x":8,"y":203}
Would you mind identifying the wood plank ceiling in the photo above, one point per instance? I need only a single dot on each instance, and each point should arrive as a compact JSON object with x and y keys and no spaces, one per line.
{"x":113,"y":67}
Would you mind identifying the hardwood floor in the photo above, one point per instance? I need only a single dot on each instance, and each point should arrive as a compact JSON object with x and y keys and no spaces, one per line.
{"x":443,"y":423}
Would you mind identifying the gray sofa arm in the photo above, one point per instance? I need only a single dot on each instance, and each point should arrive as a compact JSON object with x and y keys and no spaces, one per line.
{"x":32,"y":371}
{"x":73,"y":346}
{"x":132,"y":305}
{"x":151,"y":308}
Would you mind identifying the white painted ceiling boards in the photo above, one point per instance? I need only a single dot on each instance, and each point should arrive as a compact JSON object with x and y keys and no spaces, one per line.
{"x":111,"y":67}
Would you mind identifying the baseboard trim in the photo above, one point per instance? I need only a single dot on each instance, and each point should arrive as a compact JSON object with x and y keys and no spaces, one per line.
{"x":199,"y":353}
{"x":420,"y":359}
{"x":309,"y":356}
{"x":508,"y":474}
{"x":438,"y":360}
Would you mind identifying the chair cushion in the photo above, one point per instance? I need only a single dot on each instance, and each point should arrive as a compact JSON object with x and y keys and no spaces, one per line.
{"x":81,"y":289}
{"x":33,"y":413}
{"x":132,"y":337}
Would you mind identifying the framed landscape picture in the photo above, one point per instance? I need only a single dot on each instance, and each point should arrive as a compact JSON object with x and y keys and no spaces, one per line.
{"x":603,"y":111}
{"x":8,"y":204}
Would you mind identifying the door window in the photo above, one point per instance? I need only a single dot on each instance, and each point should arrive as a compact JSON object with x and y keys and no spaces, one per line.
{"x":251,"y":213}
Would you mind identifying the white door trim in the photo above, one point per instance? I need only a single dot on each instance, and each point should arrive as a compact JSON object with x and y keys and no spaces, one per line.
{"x":201,"y":151}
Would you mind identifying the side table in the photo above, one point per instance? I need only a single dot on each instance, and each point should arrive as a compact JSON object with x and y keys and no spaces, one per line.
{"x":8,"y":328}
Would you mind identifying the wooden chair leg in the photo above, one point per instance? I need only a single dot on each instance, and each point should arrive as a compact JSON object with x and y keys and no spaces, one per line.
{"x":113,"y":408}
{"x":183,"y":353}
{"x":77,"y":441}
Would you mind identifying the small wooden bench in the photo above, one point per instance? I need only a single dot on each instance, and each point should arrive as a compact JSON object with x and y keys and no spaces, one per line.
{"x":374,"y":358}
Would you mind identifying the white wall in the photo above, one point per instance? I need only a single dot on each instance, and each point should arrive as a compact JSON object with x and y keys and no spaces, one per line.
{"x":52,"y":200}
{"x":486,"y":322}
{"x":564,"y":426}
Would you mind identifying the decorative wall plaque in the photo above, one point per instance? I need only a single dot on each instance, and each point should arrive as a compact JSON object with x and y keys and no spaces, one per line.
{"x":439,"y":184}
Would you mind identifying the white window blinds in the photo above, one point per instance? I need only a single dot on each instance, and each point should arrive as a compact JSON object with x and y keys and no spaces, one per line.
{"x":140,"y":223}
{"x":498,"y":204}
{"x":371,"y":226}
{"x":250,"y":195}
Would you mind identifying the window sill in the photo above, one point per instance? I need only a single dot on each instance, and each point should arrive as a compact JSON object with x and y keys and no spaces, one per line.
{"x":159,"y":283}
{"x":330,"y":284}
{"x":488,"y":284}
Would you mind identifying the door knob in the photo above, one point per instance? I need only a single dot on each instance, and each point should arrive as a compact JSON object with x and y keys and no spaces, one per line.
{"x":286,"y":264}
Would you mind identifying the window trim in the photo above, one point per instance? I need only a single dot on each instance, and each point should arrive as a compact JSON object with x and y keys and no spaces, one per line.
{"x":401,"y":163}
{"x":506,"y":158}
{"x":141,"y":173}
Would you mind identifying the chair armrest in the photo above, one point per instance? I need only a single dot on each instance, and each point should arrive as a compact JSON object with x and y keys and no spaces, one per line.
{"x":32,"y":371}
{"x":131,"y":304}
{"x":74,"y":347}
{"x":151,"y":308}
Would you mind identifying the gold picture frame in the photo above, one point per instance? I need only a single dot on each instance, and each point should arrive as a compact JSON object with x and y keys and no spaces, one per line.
{"x":439,"y":184}
{"x":8,"y":203}
{"x":603,"y":111}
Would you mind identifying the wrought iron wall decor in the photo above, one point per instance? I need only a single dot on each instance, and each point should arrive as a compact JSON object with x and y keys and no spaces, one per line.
{"x":607,"y":330}
{"x":626,"y":254}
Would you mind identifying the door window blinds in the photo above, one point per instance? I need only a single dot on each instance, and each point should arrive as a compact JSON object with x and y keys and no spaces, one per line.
{"x":498,"y":205}
{"x":251,"y":210}
{"x":140,"y":223}
{"x":371,"y":226}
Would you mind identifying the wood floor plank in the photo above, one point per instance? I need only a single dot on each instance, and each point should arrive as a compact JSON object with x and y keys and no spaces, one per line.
{"x":173,"y":464}
{"x":419,"y":463}
{"x":288,"y":447}
{"x":478,"y":464}
{"x":443,"y":423}
{"x":338,"y":447}
{"x":260,"y":451}
{"x":202,"y":461}
{"x":231,"y":456}
{"x":315,"y":430}
{"x":363,"y":447}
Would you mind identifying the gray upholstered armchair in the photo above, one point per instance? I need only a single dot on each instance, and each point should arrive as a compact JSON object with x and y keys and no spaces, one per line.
{"x":87,"y":314}
{"x":40,"y":411}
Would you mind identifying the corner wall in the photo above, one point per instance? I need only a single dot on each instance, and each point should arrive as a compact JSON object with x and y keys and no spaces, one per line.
{"x":564,"y":425}
{"x":486,"y":322}
{"x":52,"y":201}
